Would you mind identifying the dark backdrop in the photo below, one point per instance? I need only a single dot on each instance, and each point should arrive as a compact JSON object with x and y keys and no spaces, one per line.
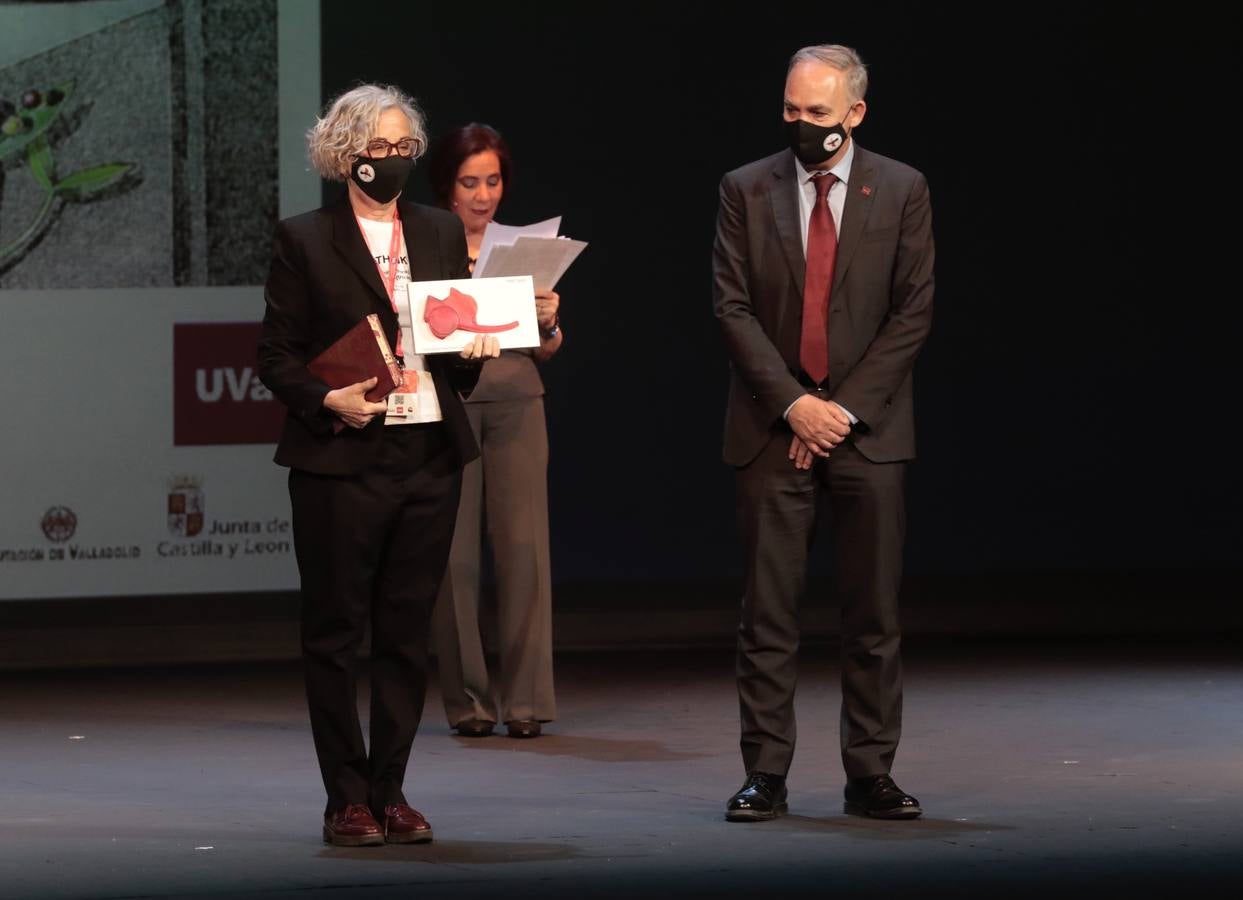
{"x":1076,"y":394}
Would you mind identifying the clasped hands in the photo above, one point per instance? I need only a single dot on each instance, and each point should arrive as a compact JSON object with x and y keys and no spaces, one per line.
{"x":352,"y":407}
{"x":818,"y":426}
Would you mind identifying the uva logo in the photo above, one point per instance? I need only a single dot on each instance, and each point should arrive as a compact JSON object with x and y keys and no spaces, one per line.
{"x":238,"y":385}
{"x":217,"y":395}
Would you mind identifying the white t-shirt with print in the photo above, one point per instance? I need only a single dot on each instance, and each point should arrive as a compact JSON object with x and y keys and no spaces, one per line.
{"x":427,"y":409}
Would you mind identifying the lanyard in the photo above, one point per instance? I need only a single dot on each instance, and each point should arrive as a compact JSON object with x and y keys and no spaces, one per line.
{"x":390,"y":280}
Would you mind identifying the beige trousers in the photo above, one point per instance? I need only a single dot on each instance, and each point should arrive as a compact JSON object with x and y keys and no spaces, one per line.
{"x":505,"y":498}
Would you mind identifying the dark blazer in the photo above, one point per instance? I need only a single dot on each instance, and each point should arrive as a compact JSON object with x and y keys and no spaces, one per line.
{"x":323,"y":280}
{"x":880,"y":303}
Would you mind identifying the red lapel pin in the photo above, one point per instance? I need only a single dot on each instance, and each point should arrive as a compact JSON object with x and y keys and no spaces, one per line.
{"x":866,"y":190}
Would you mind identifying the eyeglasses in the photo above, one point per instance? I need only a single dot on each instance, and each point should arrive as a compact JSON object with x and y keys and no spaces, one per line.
{"x":379,"y":148}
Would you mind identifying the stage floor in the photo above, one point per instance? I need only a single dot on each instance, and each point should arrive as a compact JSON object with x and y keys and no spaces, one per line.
{"x":1044,"y":768}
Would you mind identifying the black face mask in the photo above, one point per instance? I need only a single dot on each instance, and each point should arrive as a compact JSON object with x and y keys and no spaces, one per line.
{"x":381,"y":179}
{"x":813,"y":144}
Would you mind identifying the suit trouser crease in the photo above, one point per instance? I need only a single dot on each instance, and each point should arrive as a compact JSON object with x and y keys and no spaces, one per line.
{"x":505,"y":493}
{"x":777,"y":518}
{"x":371,"y":549}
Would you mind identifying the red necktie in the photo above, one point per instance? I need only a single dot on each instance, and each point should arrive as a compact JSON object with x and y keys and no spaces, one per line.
{"x":813,"y":350}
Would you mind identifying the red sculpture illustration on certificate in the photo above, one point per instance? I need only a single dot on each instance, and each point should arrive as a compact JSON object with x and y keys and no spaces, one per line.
{"x":456,"y":313}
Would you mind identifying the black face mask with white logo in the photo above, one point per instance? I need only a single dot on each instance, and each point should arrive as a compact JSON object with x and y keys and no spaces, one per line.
{"x":813,"y":144}
{"x":381,"y":179}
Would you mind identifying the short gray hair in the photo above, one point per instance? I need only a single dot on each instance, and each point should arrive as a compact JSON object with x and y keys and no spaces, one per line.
{"x":350,"y":122}
{"x":839,"y":57}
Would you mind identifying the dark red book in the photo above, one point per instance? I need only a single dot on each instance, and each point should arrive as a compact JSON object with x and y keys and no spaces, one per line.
{"x":359,"y":354}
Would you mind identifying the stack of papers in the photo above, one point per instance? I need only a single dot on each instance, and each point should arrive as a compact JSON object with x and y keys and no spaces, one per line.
{"x":534,"y":250}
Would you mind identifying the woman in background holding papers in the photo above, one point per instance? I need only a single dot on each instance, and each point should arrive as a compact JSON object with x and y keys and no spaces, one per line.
{"x":506,"y":488}
{"x":373,"y":503}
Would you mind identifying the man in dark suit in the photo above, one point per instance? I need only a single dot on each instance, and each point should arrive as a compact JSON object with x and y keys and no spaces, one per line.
{"x":823,"y":278}
{"x":373,"y":486}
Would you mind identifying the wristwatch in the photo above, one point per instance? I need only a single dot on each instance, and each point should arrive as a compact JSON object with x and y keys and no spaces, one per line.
{"x":556,"y":326}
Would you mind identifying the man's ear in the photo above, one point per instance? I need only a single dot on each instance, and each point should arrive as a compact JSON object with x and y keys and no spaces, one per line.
{"x":856,"y":114}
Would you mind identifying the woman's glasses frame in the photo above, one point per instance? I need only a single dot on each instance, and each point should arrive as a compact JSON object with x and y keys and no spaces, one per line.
{"x":407,"y":148}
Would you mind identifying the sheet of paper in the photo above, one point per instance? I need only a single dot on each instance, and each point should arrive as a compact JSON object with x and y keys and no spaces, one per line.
{"x":504,"y":235}
{"x":544,"y":259}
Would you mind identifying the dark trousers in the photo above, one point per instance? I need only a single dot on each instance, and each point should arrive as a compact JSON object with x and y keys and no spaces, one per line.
{"x":777,"y":512}
{"x":372,"y":547}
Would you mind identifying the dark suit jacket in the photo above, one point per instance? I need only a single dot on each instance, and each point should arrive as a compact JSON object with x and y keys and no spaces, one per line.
{"x":880,"y":302}
{"x":323,"y":280}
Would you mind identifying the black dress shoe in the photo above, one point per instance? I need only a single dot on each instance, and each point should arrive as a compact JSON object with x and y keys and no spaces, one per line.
{"x":762,"y":797}
{"x":474,"y":727}
{"x":877,"y":796}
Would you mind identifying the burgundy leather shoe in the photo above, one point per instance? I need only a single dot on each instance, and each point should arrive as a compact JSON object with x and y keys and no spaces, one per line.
{"x":353,"y":826}
{"x":405,"y":825}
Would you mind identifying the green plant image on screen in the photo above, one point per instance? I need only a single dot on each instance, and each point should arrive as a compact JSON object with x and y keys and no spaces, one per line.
{"x":27,"y":133}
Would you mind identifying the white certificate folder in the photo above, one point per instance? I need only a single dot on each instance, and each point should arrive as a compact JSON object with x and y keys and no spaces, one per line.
{"x":447,"y":315}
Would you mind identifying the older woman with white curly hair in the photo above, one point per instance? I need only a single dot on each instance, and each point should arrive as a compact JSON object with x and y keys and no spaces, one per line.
{"x":373,"y":486}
